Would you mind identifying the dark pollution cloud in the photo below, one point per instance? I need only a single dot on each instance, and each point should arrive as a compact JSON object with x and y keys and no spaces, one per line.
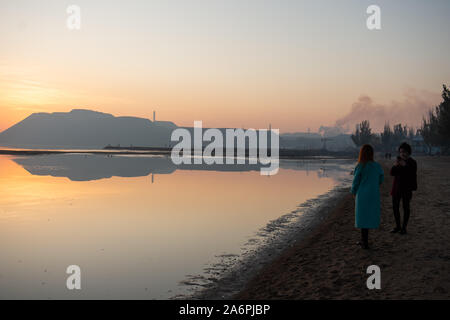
{"x":409,"y":111}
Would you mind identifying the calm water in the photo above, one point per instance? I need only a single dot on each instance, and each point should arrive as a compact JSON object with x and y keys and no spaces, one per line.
{"x":136,"y":225}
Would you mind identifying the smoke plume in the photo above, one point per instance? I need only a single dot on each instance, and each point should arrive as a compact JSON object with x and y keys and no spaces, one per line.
{"x":409,"y":111}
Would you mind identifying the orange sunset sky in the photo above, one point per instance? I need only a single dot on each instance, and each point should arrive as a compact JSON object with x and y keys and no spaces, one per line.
{"x":294,"y":64}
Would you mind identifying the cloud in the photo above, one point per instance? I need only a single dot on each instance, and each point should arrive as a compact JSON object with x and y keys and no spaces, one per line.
{"x":410,"y":110}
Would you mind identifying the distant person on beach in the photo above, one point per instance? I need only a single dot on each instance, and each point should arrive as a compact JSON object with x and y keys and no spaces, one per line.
{"x":368,"y":176}
{"x":404,"y":172}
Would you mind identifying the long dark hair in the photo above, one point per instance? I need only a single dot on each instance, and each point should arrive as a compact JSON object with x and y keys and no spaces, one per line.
{"x":365,"y":154}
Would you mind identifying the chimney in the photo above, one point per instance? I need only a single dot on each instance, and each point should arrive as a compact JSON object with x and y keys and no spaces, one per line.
{"x":154,"y":116}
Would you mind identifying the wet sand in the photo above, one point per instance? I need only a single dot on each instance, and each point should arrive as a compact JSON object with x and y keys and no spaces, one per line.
{"x":328,"y":264}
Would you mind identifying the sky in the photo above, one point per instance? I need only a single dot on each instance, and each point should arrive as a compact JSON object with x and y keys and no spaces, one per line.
{"x":296,"y":65}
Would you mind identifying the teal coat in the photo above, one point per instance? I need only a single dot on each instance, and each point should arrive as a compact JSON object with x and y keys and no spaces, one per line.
{"x":366,"y":187}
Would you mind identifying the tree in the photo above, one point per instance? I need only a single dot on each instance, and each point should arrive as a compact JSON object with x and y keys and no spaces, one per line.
{"x":400,"y":133}
{"x":443,"y":115}
{"x":387,"y":137}
{"x":429,"y":130}
{"x":435,"y":128}
{"x":411,"y":133}
{"x":363,"y":134}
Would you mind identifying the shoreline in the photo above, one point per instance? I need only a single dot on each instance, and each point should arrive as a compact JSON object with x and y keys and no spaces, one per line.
{"x":105,"y":152}
{"x":229,"y":276}
{"x":285,"y":154}
{"x":327,"y":264}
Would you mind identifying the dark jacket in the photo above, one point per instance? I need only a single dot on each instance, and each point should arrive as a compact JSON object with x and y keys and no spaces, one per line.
{"x":405,"y":178}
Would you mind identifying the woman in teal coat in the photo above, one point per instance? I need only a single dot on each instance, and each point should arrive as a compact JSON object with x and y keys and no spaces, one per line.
{"x":368,"y":176}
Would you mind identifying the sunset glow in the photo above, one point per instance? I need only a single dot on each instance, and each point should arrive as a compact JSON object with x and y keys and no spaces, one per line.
{"x":296,"y":65}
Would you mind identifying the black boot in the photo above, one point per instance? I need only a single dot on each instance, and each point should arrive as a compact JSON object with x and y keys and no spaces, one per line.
{"x":365,"y":238}
{"x":395,"y":230}
{"x":363,"y":245}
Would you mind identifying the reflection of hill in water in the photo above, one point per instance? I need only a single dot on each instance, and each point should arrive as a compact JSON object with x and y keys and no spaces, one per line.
{"x":80,"y":167}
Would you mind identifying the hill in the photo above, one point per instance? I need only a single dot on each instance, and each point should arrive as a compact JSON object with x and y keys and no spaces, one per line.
{"x":85,"y":129}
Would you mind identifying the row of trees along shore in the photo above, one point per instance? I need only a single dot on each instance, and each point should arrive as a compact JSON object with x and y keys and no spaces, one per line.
{"x":433,"y":133}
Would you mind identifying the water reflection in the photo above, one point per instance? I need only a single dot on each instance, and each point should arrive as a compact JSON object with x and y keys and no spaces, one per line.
{"x":131,"y":238}
{"x":79,"y":167}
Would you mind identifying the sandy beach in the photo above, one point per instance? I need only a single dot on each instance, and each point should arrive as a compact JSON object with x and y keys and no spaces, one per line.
{"x":328,"y":264}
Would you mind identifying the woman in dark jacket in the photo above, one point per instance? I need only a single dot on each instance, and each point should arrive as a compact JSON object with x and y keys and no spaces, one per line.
{"x":404,"y":172}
